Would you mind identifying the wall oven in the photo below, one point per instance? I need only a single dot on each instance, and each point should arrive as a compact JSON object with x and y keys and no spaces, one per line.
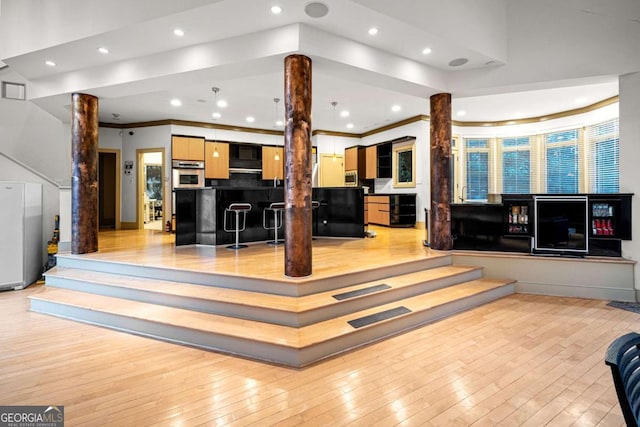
{"x":351,"y":179}
{"x":187,"y":174}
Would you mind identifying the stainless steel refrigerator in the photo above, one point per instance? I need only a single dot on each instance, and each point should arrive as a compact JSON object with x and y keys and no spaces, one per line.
{"x":21,"y":242}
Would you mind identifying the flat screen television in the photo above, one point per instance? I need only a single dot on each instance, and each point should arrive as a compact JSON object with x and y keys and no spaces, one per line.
{"x":561,"y":225}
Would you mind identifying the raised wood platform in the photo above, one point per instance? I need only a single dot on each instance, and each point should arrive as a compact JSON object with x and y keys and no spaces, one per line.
{"x":241,"y":306}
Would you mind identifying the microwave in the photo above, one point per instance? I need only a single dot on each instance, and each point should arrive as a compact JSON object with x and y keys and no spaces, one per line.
{"x":188,"y":174}
{"x":351,"y":179}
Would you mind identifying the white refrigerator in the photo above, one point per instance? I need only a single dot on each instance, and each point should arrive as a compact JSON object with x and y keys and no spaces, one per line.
{"x":21,"y":242}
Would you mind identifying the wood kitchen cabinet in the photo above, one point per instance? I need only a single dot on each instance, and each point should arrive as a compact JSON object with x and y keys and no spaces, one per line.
{"x":216,"y":167}
{"x":371,"y":162}
{"x":351,"y":159}
{"x":187,"y":148}
{"x":392,"y":210}
{"x":272,"y":166}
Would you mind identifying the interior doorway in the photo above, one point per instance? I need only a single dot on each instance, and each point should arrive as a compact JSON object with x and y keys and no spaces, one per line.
{"x":108,"y":189}
{"x":331,"y":170}
{"x":151,"y":189}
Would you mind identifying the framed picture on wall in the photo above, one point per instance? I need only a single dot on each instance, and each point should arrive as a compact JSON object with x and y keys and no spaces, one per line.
{"x":404,"y":165}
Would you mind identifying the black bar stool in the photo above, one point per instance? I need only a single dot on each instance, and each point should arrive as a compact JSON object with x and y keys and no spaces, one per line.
{"x":315,"y":205}
{"x":277,"y":209}
{"x":238,"y":209}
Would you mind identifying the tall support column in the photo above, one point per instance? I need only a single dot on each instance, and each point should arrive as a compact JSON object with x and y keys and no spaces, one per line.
{"x":440,"y":130}
{"x":84,"y":173}
{"x":297,"y":166}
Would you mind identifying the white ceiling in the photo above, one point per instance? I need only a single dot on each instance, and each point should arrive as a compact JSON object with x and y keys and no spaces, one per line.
{"x":526,"y":59}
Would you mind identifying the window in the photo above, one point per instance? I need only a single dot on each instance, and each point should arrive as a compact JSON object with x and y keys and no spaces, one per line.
{"x":516,"y":165}
{"x":604,"y":167}
{"x":477,"y":168}
{"x":562,"y":162}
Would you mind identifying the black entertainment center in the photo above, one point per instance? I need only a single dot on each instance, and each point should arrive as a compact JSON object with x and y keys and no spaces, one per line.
{"x":545,"y":224}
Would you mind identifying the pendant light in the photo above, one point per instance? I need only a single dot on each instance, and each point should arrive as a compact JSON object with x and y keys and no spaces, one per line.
{"x":333,"y":126}
{"x":276,"y":157}
{"x":215,"y":115}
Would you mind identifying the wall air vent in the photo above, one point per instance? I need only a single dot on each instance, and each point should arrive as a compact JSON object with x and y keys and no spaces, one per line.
{"x":14,"y":91}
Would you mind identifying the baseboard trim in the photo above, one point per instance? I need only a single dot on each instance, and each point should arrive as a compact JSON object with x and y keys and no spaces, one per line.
{"x":562,"y":290}
{"x":129,"y":225}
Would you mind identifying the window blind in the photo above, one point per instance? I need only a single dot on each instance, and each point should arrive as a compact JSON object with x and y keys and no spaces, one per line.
{"x":561,"y":149}
{"x":477,"y":169}
{"x":604,"y":165}
{"x":516,"y":165}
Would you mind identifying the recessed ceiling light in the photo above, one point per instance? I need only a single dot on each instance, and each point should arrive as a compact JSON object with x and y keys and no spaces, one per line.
{"x":519,"y":114}
{"x":426,"y":51}
{"x":349,"y":125}
{"x":396,"y":108}
{"x":216,"y":115}
{"x":250,"y":119}
{"x":176,"y":102}
{"x":581,"y":100}
{"x":373,"y":31}
{"x":461,"y":113}
{"x":178,"y":32}
{"x":103,"y":50}
{"x":344,"y":113}
{"x":458,"y":62}
{"x":279,"y":123}
{"x":50,"y":63}
{"x":222,"y":103}
{"x":276,"y":9}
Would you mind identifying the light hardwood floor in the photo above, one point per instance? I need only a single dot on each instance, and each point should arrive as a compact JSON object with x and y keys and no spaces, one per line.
{"x":521,"y":360}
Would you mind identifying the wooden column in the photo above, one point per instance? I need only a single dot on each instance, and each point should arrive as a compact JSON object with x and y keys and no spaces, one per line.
{"x":440,"y":130}
{"x":84,"y":173}
{"x":297,"y":166}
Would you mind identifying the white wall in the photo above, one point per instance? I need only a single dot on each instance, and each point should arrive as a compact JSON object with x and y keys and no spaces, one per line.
{"x":142,"y":138}
{"x":33,"y":136}
{"x":629,"y":157}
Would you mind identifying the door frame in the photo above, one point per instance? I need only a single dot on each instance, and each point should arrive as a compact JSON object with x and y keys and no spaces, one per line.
{"x":117,"y":183}
{"x":140,"y":184}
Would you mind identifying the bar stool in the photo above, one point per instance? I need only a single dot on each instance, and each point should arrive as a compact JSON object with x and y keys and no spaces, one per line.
{"x":238,"y":209}
{"x":277,"y":209}
{"x":315,"y":205}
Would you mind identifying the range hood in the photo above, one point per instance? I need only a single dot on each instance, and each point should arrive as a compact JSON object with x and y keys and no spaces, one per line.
{"x":245,"y":170}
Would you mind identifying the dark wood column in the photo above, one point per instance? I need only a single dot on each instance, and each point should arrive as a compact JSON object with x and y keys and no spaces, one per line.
{"x":84,"y":173}
{"x":297,"y":166}
{"x":440,"y":130}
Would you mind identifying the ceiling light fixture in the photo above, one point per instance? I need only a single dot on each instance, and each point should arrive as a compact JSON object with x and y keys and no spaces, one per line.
{"x":50,"y":63}
{"x":276,"y":157}
{"x":178,"y":32}
{"x":250,"y":119}
{"x":396,"y":108}
{"x":426,"y":51}
{"x":373,"y":31}
{"x":222,"y":103}
{"x":215,"y":115}
{"x":176,"y":102}
{"x":276,"y":10}
{"x":461,"y":113}
{"x":581,"y":100}
{"x":103,"y":50}
{"x":349,"y":125}
{"x":333,"y":126}
{"x":344,"y":113}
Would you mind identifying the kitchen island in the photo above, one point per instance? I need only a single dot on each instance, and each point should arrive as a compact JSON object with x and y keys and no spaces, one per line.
{"x":200,"y":213}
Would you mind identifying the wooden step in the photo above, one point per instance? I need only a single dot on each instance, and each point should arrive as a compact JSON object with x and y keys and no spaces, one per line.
{"x":275,"y":343}
{"x":278,"y":309}
{"x":280,"y":285}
